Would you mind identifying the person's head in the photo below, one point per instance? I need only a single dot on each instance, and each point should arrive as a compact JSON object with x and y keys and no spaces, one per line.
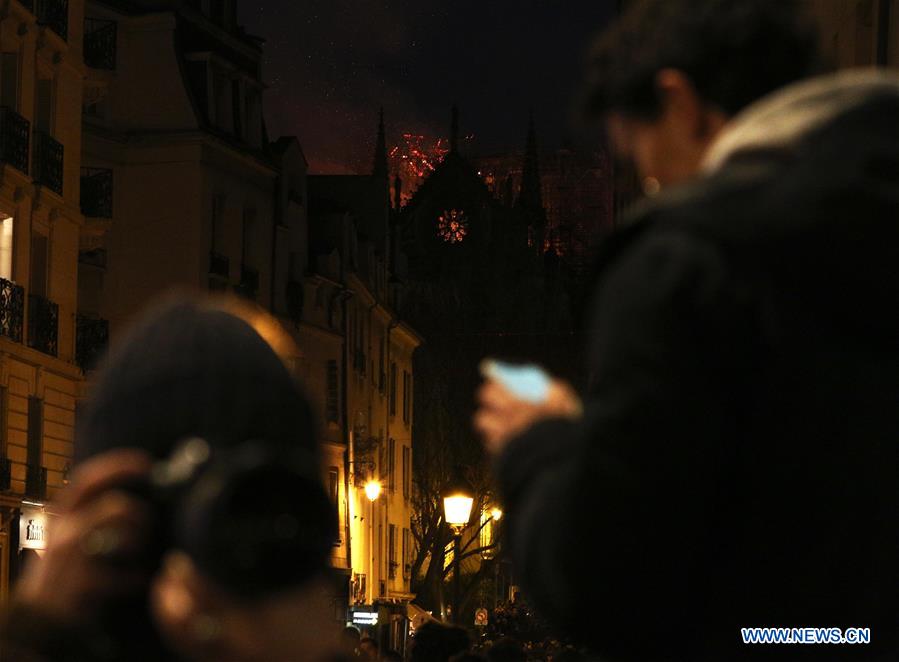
{"x":351,"y":638}
{"x":369,"y":648}
{"x":216,"y":369}
{"x":669,"y":74}
{"x":506,"y":650}
{"x":435,"y":642}
{"x":213,"y":368}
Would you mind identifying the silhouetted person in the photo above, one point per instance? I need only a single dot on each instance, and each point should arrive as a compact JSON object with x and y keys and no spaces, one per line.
{"x":435,"y":642}
{"x":736,"y":462}
{"x":369,"y":648}
{"x":351,"y":638}
{"x":506,"y":650}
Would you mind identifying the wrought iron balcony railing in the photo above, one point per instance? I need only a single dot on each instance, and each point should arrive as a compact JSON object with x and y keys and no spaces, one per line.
{"x":100,"y":43}
{"x":43,"y":324}
{"x":12,"y":310}
{"x":14,"y":134}
{"x":91,"y":339}
{"x":5,"y":474}
{"x":54,"y":14}
{"x":46,"y":164}
{"x":96,"y":192}
{"x":36,"y":482}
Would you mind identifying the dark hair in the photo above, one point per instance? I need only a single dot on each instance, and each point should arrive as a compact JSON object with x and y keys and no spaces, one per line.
{"x":733,"y":51}
{"x":191,"y":367}
{"x":435,"y":642}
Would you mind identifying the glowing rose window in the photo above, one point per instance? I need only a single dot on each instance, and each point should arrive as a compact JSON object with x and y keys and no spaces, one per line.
{"x":452,"y":226}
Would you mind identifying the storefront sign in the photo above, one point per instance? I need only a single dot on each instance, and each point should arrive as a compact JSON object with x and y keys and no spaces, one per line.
{"x":32,"y":528}
{"x":365,"y":617}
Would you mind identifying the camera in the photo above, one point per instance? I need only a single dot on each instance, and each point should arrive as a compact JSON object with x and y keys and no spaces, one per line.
{"x":255,"y":517}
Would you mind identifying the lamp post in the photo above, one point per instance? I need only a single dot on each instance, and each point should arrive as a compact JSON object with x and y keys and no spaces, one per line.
{"x":456,"y":512}
{"x":372,"y":491}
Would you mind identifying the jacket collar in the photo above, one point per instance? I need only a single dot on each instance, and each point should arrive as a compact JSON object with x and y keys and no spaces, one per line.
{"x":780,"y":121}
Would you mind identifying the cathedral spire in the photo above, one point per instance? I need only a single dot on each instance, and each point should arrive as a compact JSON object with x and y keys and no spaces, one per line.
{"x":454,"y":130}
{"x":380,"y":166}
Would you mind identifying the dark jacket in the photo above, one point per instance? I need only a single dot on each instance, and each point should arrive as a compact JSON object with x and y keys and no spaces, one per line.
{"x":738,"y":461}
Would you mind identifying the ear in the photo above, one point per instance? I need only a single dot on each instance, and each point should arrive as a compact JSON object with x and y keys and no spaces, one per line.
{"x":681,"y":104}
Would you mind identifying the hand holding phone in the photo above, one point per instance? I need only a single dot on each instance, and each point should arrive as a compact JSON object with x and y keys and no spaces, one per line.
{"x":526,"y":381}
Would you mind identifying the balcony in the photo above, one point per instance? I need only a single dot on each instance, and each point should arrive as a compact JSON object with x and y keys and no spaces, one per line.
{"x":96,"y":192}
{"x":5,"y":474}
{"x":43,"y":324}
{"x":54,"y":14}
{"x":14,"y":132}
{"x":91,"y":339}
{"x":249,"y":282}
{"x":12,"y":310}
{"x":46,"y":164}
{"x":36,"y":482}
{"x":100,"y":43}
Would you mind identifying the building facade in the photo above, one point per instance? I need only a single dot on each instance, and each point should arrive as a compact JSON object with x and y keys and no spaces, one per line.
{"x":183,"y":190}
{"x":371,"y":399}
{"x":182,"y":181}
{"x":40,"y":220}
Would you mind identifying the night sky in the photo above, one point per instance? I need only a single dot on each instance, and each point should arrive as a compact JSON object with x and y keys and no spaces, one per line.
{"x":331,"y":63}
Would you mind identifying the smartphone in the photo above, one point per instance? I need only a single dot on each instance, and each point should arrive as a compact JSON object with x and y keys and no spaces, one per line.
{"x":525,"y":381}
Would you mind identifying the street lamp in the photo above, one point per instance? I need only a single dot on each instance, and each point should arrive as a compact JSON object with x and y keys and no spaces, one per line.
{"x":372,"y":491}
{"x":457,"y":506}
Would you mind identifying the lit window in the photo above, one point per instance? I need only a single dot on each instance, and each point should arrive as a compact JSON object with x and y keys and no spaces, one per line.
{"x":6,"y":247}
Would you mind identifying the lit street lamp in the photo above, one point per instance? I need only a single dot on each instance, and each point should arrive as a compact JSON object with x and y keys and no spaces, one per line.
{"x":457,"y":506}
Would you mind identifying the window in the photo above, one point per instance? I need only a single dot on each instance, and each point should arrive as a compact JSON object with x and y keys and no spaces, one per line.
{"x":9,"y":80}
{"x":6,"y":234}
{"x":393,"y":389}
{"x":332,"y":403}
{"x":407,"y":397}
{"x":35,"y":437}
{"x":333,"y":494}
{"x":217,"y":11}
{"x":223,"y":102}
{"x":407,"y":472}
{"x":218,"y":222}
{"x":407,"y":553}
{"x":236,"y":108}
{"x":38,"y":283}
{"x":4,"y":420}
{"x":247,"y":235}
{"x":391,"y":464}
{"x":391,"y":551}
{"x":43,"y":106}
{"x":382,"y":377}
